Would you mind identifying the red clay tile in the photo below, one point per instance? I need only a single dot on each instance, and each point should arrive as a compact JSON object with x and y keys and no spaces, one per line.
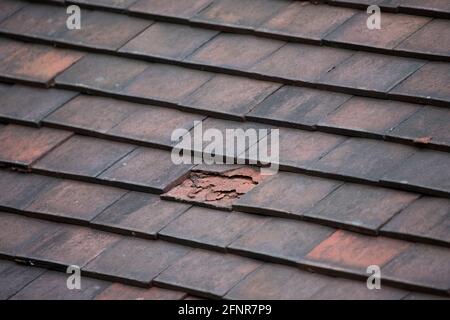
{"x":53,"y":286}
{"x":394,"y":29}
{"x":297,"y":107}
{"x":9,"y":7}
{"x":307,"y":20}
{"x":167,"y":40}
{"x":301,"y":62}
{"x":203,"y":227}
{"x":166,"y":82}
{"x":32,"y":104}
{"x":119,"y":4}
{"x":230,"y":95}
{"x":351,"y":252}
{"x":140,"y":214}
{"x":365,"y":159}
{"x":428,"y":122}
{"x":14,"y":277}
{"x":101,"y":72}
{"x":371,"y":72}
{"x":235,"y":51}
{"x":170,"y":8}
{"x":148,"y":169}
{"x":118,"y":291}
{"x":369,"y":116}
{"x":135,"y":261}
{"x":83,"y":156}
{"x":361,"y":207}
{"x":276,"y":282}
{"x":75,"y":201}
{"x":425,"y":169}
{"x":248,"y":14}
{"x":24,"y":145}
{"x":92,"y":114}
{"x":429,"y":83}
{"x":429,"y":40}
{"x":421,"y":265}
{"x":207,"y":273}
{"x":427,"y":218}
{"x":281,"y":239}
{"x":286,"y":194}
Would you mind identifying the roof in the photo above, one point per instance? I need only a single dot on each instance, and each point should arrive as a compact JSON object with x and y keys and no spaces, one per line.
{"x":87,"y":175}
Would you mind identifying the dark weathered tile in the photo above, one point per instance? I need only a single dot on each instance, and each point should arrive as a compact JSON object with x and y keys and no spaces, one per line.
{"x":207,"y":273}
{"x":281,"y":239}
{"x":135,"y":261}
{"x":394,"y":29}
{"x":429,"y":83}
{"x":101,"y":72}
{"x":421,"y":265}
{"x":361,"y":207}
{"x":307,"y":20}
{"x":301,"y":62}
{"x":277,"y":282}
{"x":297,"y":107}
{"x":14,"y":277}
{"x":9,"y":7}
{"x":118,"y":291}
{"x":32,"y":104}
{"x":426,"y":169}
{"x":371,"y":72}
{"x":363,"y":159}
{"x":441,"y":7}
{"x":235,"y":51}
{"x":170,"y":8}
{"x":168,"y":40}
{"x":24,"y":145}
{"x":139,"y":214}
{"x":286,"y":194}
{"x":424,"y":296}
{"x":431,"y":39}
{"x":84,"y":156}
{"x":166,"y":82}
{"x":208,"y":227}
{"x":148,"y":168}
{"x":425,"y":218}
{"x":117,"y":4}
{"x":352,"y":252}
{"x":230,"y":95}
{"x":247,"y":14}
{"x":370,"y":116}
{"x":75,"y":200}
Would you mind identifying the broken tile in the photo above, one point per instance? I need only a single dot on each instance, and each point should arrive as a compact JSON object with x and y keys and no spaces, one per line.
{"x":301,"y":62}
{"x":75,"y":201}
{"x":235,"y":51}
{"x":14,"y":277}
{"x":369,"y":116}
{"x":286,"y":194}
{"x":203,"y":227}
{"x":395,"y":28}
{"x":229,"y":95}
{"x":171,"y":8}
{"x":363,"y":159}
{"x":32,"y":104}
{"x":307,"y":20}
{"x":277,"y":282}
{"x":425,"y":218}
{"x":147,"y":168}
{"x":425,"y":169}
{"x":118,"y":291}
{"x":352,"y":252}
{"x":296,"y":106}
{"x":371,"y":72}
{"x":135,"y":261}
{"x":140,"y":214}
{"x":24,"y":145}
{"x":281,"y":239}
{"x":101,"y":72}
{"x":169,"y":41}
{"x":166,"y":82}
{"x":207,"y":273}
{"x":361,"y":207}
{"x":83,"y":156}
